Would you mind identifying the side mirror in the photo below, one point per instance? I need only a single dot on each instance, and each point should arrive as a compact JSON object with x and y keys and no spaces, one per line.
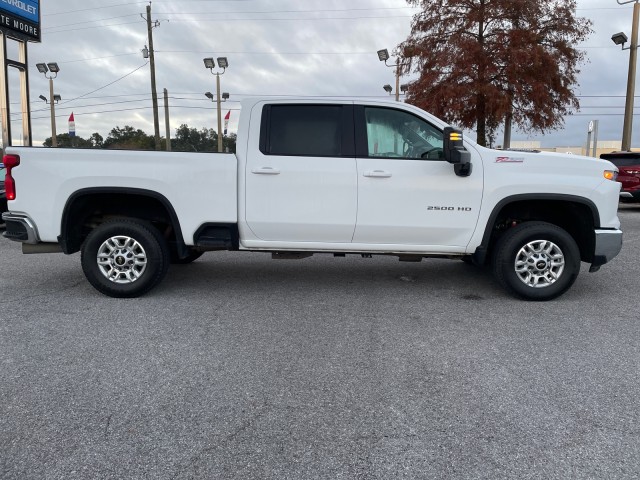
{"x":455,"y":153}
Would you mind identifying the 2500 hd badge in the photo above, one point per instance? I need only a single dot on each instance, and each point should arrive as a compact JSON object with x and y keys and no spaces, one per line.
{"x":450,"y":209}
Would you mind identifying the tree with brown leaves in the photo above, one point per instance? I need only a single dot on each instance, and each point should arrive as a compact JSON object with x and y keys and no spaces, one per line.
{"x":484,"y":62}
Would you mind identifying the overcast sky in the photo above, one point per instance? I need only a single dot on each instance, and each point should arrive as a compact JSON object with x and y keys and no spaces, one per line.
{"x":274,"y":47}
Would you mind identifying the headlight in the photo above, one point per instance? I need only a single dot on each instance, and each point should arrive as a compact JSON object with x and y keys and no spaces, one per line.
{"x":611,"y":175}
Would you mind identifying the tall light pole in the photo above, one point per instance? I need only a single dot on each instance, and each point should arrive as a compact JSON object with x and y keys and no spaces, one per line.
{"x":45,"y":68}
{"x":166,"y":120}
{"x":223,"y":64}
{"x":383,"y":56}
{"x":620,"y":39}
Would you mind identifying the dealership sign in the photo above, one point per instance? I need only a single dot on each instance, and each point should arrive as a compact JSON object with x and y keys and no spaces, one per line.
{"x":20,"y":19}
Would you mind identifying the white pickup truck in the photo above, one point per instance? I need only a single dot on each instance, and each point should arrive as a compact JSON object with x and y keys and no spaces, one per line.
{"x":310,"y":176}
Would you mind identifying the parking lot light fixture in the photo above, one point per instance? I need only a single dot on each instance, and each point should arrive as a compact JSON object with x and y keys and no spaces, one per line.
{"x":223,"y":63}
{"x":620,"y":38}
{"x":383,"y":55}
{"x":50,"y":70}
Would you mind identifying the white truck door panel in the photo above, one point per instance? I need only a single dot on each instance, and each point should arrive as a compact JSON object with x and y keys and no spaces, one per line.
{"x":407,"y":194}
{"x":419,"y":202}
{"x":300,"y":186}
{"x":309,"y":199}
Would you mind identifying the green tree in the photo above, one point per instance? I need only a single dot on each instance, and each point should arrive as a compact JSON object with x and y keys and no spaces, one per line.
{"x":193,"y":140}
{"x":483,"y":61}
{"x":229,"y":142}
{"x":203,"y":140}
{"x":96,"y":140}
{"x":65,"y":141}
{"x":129,"y":138}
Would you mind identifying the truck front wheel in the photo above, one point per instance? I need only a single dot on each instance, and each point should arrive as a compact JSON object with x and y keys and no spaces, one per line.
{"x":124,"y":258}
{"x":536,"y":261}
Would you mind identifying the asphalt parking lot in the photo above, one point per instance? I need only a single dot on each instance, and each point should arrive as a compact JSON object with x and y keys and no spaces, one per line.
{"x":243,"y":367}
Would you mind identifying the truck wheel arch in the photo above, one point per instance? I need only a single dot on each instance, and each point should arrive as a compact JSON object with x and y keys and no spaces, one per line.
{"x":536,"y":203}
{"x":114,"y":201}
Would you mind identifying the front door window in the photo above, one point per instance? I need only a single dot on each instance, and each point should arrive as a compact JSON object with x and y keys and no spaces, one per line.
{"x":399,"y":134}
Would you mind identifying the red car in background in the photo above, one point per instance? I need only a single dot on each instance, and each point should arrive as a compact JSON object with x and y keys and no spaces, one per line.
{"x":628,"y":164}
{"x":3,"y":197}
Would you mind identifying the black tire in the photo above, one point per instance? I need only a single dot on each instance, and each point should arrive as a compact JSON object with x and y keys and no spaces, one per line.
{"x":191,"y":257}
{"x":118,"y":275}
{"x":548,"y":261}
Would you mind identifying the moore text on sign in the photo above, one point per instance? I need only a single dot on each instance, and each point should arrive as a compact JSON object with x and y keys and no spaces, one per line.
{"x":20,"y":19}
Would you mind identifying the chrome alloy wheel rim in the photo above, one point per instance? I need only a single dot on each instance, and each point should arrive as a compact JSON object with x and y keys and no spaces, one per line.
{"x":539,"y":263}
{"x":122,"y":259}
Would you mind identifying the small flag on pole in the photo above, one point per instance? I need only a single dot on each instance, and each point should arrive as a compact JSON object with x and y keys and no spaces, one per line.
{"x":226,"y":121}
{"x":72,"y":126}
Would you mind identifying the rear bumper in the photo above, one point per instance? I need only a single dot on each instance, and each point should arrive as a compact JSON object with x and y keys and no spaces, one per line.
{"x":20,"y":228}
{"x":608,"y":246}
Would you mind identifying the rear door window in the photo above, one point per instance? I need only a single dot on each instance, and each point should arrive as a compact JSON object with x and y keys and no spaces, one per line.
{"x":304,"y":130}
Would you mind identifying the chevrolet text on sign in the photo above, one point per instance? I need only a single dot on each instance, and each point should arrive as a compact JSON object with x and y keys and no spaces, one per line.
{"x":21,"y":19}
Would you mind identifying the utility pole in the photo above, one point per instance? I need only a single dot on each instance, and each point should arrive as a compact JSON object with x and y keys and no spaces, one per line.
{"x":152,"y":63}
{"x":631,"y":81}
{"x":397,"y":79}
{"x":166,"y":119}
{"x":54,"y":139}
{"x":219,"y":114}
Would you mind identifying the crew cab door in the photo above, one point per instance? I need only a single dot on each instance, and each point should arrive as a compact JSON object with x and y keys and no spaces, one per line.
{"x":407,"y":193}
{"x":301,"y":184}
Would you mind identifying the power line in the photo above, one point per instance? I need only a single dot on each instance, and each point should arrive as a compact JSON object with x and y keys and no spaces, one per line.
{"x":99,"y":58}
{"x":108,"y":84}
{"x":91,"y":21}
{"x":88,"y":28}
{"x":113,"y":5}
{"x":93,"y":8}
{"x":262,"y":12}
{"x":218,"y":20}
{"x":228,"y":52}
{"x":48,"y":32}
{"x":197,"y":95}
{"x":605,"y":96}
{"x":127,"y":110}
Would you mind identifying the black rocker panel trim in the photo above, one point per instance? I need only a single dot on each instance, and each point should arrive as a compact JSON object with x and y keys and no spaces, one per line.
{"x":217,"y":236}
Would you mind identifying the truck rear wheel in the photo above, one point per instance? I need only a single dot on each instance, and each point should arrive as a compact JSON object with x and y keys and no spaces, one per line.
{"x":124,"y":258}
{"x":536,"y":261}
